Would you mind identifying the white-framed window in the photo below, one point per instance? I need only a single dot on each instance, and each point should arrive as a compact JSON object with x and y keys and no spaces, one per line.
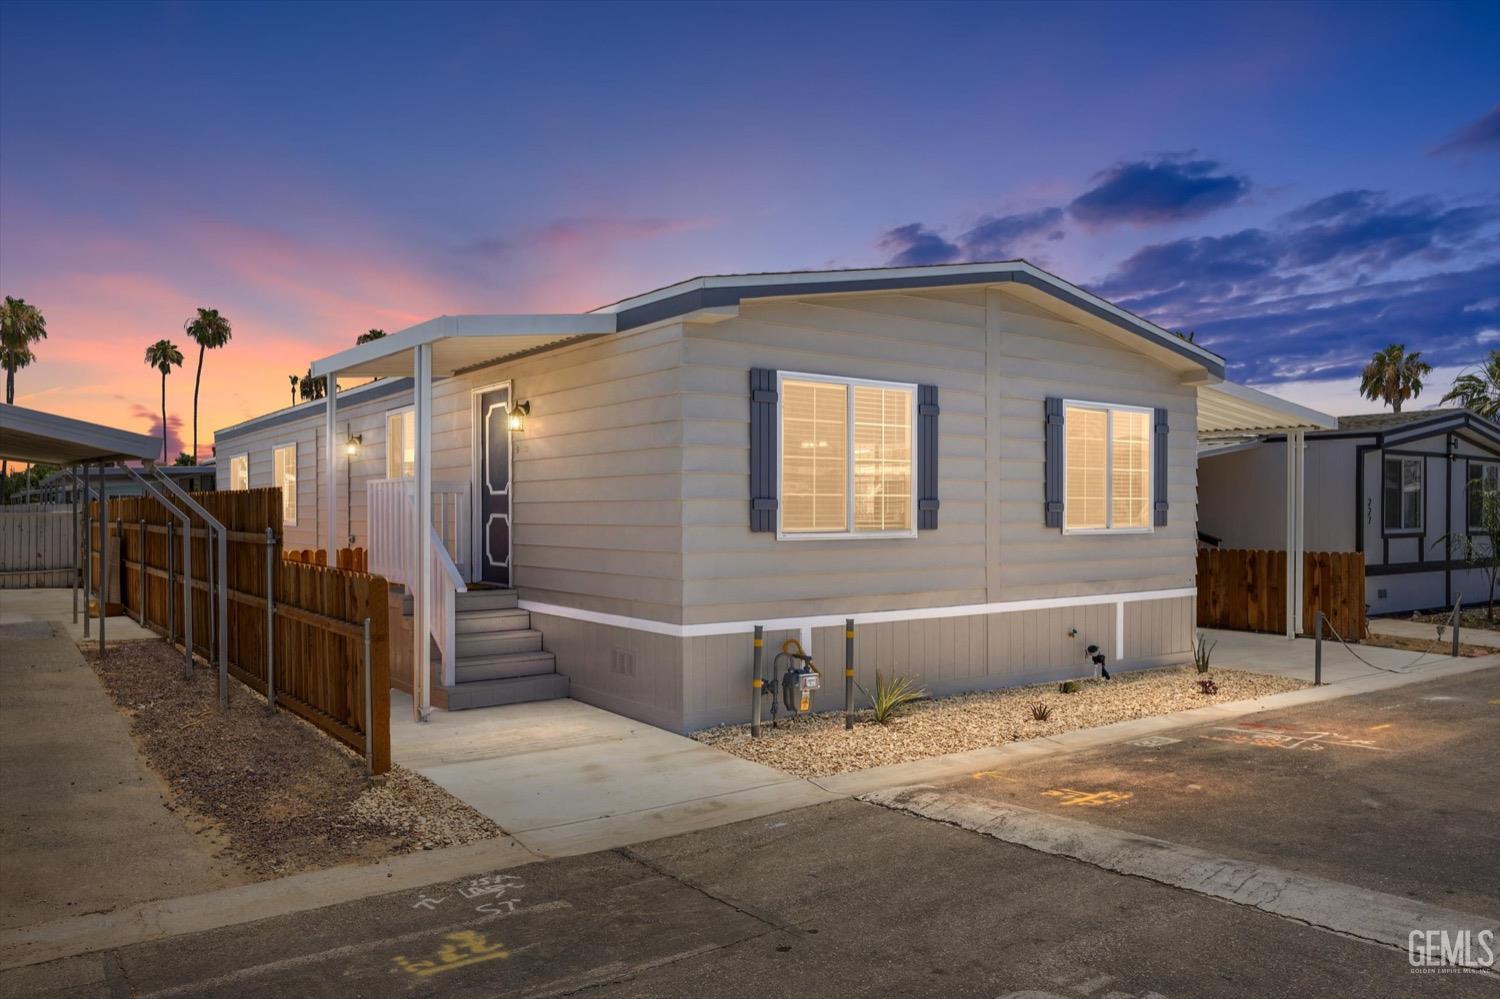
{"x":1404,"y":492}
{"x":400,"y":444}
{"x":239,"y":472}
{"x":1106,"y":468}
{"x":284,"y":474}
{"x":848,"y":457}
{"x":1484,"y":477}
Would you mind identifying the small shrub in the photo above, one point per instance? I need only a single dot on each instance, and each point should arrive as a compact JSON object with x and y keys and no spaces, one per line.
{"x":1069,"y":687}
{"x":1040,"y":712}
{"x":890,"y":696}
{"x":1202,"y":652}
{"x":1208,"y":686}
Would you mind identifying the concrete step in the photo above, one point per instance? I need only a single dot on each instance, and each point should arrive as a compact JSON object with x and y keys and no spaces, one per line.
{"x":471,"y":621}
{"x":498,"y":643}
{"x":498,"y":667}
{"x":486,"y":598}
{"x":513,"y":690}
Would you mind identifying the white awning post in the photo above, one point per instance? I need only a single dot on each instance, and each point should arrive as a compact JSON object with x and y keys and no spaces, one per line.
{"x":333,"y":467}
{"x":1301,"y":436}
{"x":422,"y":508}
{"x":1294,"y":534}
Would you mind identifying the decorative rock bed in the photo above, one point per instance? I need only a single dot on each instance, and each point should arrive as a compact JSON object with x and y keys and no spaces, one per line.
{"x":818,"y":745}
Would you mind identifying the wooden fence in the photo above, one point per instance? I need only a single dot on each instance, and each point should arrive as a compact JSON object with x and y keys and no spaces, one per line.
{"x":1245,"y":590}
{"x":318,"y":645}
{"x":37,"y":547}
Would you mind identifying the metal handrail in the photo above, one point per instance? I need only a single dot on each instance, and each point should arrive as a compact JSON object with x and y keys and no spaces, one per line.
{"x":187,"y":568}
{"x":223,"y":548}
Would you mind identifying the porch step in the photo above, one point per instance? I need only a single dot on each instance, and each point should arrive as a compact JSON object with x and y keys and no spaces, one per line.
{"x":467,"y":621}
{"x":513,"y":690}
{"x":497,"y":643}
{"x":485,"y":598}
{"x":504,"y":666}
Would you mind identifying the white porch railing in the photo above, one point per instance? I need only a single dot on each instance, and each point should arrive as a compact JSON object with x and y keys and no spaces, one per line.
{"x":393,"y":551}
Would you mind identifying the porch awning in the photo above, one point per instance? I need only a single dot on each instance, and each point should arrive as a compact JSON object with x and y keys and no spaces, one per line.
{"x":31,"y":435}
{"x":1229,"y":410}
{"x":460,"y":342}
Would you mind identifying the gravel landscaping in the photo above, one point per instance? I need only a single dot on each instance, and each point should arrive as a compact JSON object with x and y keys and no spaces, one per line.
{"x":274,"y":794}
{"x":818,"y":745}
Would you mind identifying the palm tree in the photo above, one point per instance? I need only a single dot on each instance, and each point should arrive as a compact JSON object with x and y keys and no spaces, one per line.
{"x":312,"y":388}
{"x":163,"y":355}
{"x":1394,"y":376}
{"x":211,"y":331}
{"x":1479,"y":393}
{"x":295,"y":379}
{"x":21,"y":325}
{"x":367,"y":337}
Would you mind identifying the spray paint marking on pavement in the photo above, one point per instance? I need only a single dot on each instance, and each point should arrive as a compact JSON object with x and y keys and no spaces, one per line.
{"x":463,"y":948}
{"x":1091,"y":799}
{"x":1270,"y":737}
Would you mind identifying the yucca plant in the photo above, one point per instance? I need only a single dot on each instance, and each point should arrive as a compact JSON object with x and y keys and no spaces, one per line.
{"x":890,"y":696}
{"x":1202,"y":652}
{"x":1040,"y":711}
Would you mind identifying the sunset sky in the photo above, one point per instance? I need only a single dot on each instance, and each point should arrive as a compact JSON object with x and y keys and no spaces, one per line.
{"x":1298,"y":184}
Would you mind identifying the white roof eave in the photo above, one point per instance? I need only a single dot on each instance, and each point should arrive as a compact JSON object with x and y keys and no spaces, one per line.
{"x":507,"y":333}
{"x":1228,"y":409}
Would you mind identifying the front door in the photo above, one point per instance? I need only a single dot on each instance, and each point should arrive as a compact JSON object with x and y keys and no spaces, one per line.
{"x":494,"y":485}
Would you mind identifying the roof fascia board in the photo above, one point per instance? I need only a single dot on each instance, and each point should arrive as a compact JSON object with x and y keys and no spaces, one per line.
{"x":444,"y":327}
{"x":357,"y":396}
{"x":709,"y":294}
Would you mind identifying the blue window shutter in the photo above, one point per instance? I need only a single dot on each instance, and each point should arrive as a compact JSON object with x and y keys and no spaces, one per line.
{"x":1159,"y":468}
{"x":927,"y":457}
{"x":763,"y":457}
{"x":1052,"y":475}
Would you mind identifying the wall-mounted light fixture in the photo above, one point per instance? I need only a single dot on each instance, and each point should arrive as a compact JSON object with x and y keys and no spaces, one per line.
{"x":351,"y":446}
{"x":518,"y":413}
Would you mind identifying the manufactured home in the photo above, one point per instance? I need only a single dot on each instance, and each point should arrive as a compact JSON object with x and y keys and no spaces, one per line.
{"x":987,"y":468}
{"x":1390,"y":485}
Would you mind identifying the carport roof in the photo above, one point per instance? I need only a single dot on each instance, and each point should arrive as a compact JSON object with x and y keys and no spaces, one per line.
{"x":1230,"y":410}
{"x":31,"y":435}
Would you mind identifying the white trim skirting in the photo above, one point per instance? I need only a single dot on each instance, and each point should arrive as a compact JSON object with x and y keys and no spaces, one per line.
{"x":806,"y":624}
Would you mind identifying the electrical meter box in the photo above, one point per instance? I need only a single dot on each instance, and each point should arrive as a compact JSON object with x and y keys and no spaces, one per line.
{"x":806,"y":684}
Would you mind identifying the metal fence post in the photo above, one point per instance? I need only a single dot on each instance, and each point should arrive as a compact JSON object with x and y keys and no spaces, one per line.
{"x":271,"y":622}
{"x":77,"y":551}
{"x":1458,"y":620}
{"x":103,"y":558}
{"x":1318,"y":650}
{"x":755,"y":682}
{"x":88,"y":551}
{"x":141,"y":554}
{"x":171,"y":601}
{"x":848,"y":673}
{"x":369,"y":707}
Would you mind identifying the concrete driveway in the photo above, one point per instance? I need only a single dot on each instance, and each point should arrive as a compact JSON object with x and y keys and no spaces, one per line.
{"x":563,"y":777}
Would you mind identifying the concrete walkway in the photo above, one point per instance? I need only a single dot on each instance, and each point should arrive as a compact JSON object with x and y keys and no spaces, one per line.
{"x":85,"y":827}
{"x":56,"y":606}
{"x":1422,"y":631}
{"x":562,"y":777}
{"x":1294,"y":657}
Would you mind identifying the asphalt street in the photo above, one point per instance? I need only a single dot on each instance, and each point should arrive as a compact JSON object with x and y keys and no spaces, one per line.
{"x":855,"y":899}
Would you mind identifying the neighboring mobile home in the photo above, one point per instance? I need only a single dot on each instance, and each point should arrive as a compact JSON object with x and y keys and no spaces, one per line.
{"x":988,"y":468}
{"x":1391,"y":485}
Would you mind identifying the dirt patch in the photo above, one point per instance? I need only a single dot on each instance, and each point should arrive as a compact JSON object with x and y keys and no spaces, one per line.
{"x":1471,"y":619}
{"x":818,"y":745}
{"x":1438,"y":649}
{"x":281,"y":796}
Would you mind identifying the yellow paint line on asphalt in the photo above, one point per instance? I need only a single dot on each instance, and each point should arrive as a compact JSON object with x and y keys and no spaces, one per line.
{"x":1091,"y":799}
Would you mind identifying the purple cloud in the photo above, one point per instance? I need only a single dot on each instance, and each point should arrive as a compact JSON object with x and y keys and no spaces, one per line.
{"x":997,"y":238}
{"x":1480,"y":135}
{"x":914,"y":244}
{"x":1169,"y":189}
